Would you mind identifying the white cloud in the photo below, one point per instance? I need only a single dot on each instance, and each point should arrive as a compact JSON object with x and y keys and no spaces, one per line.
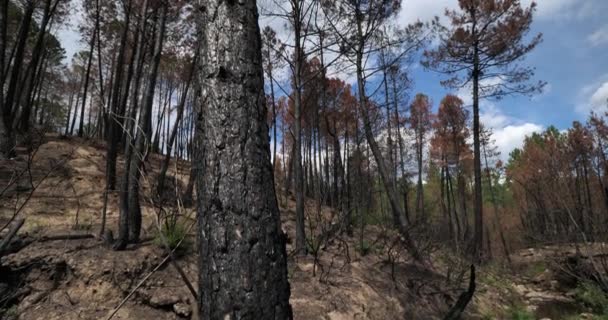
{"x":595,"y":97}
{"x":508,"y":132}
{"x":512,"y":136}
{"x":425,"y":10}
{"x":492,"y":117}
{"x":599,"y":98}
{"x":551,"y":8}
{"x":599,"y":37}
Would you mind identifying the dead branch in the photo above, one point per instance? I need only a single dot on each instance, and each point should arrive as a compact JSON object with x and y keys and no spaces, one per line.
{"x":458,"y":309}
{"x":11,"y":234}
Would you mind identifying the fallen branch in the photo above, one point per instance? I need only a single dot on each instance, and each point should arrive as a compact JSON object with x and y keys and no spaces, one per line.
{"x":458,"y":309}
{"x":21,"y":242}
{"x":11,"y":234}
{"x":66,"y":237}
{"x":141,"y":283}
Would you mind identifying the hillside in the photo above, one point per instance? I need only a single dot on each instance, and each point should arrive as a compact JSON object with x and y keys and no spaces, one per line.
{"x":84,"y":279}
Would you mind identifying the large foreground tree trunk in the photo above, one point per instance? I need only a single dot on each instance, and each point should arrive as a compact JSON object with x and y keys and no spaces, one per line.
{"x":242,"y":256}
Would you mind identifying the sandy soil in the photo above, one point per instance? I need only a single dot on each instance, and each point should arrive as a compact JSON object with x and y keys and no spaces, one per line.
{"x":84,"y":279}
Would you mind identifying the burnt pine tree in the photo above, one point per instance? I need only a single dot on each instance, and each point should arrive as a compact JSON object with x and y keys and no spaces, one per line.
{"x":243,"y":260}
{"x":130,"y":208}
{"x":362,"y":23}
{"x":481,"y":49}
{"x":6,"y":147}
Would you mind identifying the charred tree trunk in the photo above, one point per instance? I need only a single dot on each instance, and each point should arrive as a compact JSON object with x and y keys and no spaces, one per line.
{"x":478,"y":200}
{"x":87,"y":76}
{"x":132,"y":215}
{"x":8,"y":138}
{"x":180,"y":115}
{"x":49,"y":10}
{"x":242,"y":256}
{"x":5,"y":139}
{"x":139,"y":61}
{"x":114,"y":121}
{"x":397,"y":213}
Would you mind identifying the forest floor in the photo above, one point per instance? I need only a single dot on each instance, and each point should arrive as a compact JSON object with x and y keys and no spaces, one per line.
{"x":363,"y":277}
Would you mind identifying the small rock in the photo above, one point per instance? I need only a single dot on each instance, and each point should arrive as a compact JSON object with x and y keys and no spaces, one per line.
{"x":182,"y":310}
{"x":31,"y":300}
{"x":586,"y":316}
{"x":531,"y":308}
{"x":554,"y":284}
{"x":520,"y":289}
{"x":162,"y":298}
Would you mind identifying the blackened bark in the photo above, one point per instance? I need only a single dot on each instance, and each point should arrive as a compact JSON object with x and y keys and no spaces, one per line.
{"x":299,"y":183}
{"x":87,"y":76}
{"x":458,"y":309}
{"x":242,"y":256}
{"x":76,"y":107}
{"x":49,"y":10}
{"x":180,"y":115}
{"x":125,"y":138}
{"x":114,"y":122}
{"x":24,"y":30}
{"x":139,"y":60}
{"x":419,"y":187}
{"x":397,"y":213}
{"x":478,"y":200}
{"x":143,"y":135}
{"x":5,"y":139}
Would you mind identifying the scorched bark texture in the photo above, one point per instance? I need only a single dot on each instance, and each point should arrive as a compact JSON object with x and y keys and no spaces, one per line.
{"x":243,"y":260}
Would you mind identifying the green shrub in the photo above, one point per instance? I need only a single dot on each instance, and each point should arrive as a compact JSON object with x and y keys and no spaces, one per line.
{"x":9,"y":314}
{"x":592,"y":296}
{"x":535,"y":269}
{"x":173,"y":231}
{"x":519,"y":313}
{"x":364,"y":247}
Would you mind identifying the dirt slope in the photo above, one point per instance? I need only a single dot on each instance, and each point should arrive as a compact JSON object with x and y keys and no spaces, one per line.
{"x":83,"y":279}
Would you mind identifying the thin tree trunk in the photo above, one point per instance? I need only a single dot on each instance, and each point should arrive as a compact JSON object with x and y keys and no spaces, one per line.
{"x":180,"y":115}
{"x":478,"y":200}
{"x":70,"y":102}
{"x":139,"y":60}
{"x":404,"y":176}
{"x":76,"y":108}
{"x":8,"y":139}
{"x":132,"y":206}
{"x":49,"y":10}
{"x":297,"y":159}
{"x":114,"y":121}
{"x":87,"y":76}
{"x":371,"y":140}
{"x":6,"y":148}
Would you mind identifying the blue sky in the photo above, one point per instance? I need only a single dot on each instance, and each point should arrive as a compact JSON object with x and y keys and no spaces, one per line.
{"x":572,"y":59}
